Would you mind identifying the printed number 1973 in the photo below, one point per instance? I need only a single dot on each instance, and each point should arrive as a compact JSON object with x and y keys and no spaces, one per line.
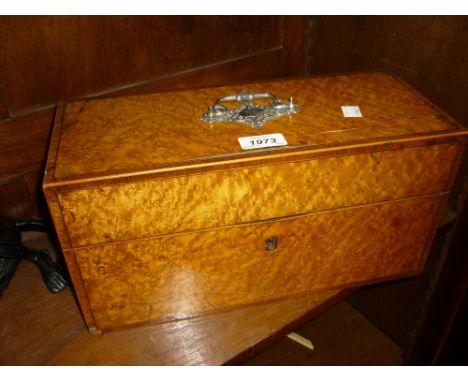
{"x":261,"y":141}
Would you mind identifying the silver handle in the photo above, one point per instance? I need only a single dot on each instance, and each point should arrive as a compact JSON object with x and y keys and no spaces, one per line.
{"x":248,"y":112}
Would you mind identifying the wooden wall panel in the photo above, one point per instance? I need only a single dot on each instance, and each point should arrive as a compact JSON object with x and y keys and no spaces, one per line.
{"x":295,"y":32}
{"x":23,"y":150}
{"x":16,"y":200}
{"x":45,"y":59}
{"x":24,"y":143}
{"x":261,"y":66}
{"x":3,"y":107}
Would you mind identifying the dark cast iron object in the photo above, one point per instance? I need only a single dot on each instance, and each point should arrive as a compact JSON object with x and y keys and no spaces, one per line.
{"x":12,"y":252}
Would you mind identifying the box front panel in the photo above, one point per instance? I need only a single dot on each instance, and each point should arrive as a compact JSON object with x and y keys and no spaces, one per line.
{"x":179,"y":276}
{"x":145,"y":209}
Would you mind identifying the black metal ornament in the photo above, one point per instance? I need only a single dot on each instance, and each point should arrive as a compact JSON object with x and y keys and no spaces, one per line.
{"x":12,"y":252}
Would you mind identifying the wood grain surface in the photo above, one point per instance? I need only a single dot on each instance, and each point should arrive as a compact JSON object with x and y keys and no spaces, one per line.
{"x":45,"y":58}
{"x":24,"y":143}
{"x":130,"y":133}
{"x":209,"y":340}
{"x":144,"y":209}
{"x":18,"y":196}
{"x":60,"y":338}
{"x":23,"y":152}
{"x":40,"y":328}
{"x":179,"y":276}
{"x":341,"y":336}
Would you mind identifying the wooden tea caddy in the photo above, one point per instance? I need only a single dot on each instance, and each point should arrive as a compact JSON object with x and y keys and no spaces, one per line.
{"x":163,"y":216}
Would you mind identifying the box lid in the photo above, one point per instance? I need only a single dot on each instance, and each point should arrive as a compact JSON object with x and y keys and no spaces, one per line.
{"x":158,"y":132}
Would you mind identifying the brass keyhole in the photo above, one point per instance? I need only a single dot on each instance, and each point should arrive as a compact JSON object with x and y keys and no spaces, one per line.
{"x":271,"y":243}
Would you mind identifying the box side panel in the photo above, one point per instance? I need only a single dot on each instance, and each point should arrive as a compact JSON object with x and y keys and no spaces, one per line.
{"x":438,"y":213}
{"x":144,"y":209}
{"x":72,"y":266}
{"x":50,"y":193}
{"x":179,"y":276}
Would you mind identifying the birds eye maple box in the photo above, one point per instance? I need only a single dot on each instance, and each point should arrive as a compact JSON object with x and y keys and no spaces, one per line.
{"x":167,"y":208}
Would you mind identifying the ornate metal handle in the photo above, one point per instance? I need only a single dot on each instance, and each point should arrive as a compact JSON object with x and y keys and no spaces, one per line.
{"x":248,"y":112}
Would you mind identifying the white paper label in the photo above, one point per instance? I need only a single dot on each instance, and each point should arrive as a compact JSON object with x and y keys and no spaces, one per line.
{"x":261,"y":141}
{"x":351,"y":111}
